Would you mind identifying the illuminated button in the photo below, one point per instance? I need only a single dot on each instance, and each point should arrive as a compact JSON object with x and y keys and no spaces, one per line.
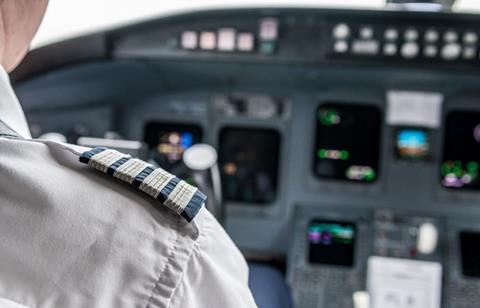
{"x":361,"y":173}
{"x":226,"y":39}
{"x":366,"y":32}
{"x":450,"y":36}
{"x":431,"y":36}
{"x":245,"y":42}
{"x":268,"y":29}
{"x":341,"y":31}
{"x":430,"y":51}
{"x":451,"y":51}
{"x":390,"y":49}
{"x":409,"y":50}
{"x":391,"y":34}
{"x":208,"y":40}
{"x":365,"y":47}
{"x":470,"y":37}
{"x":411,"y":35}
{"x":340,"y":46}
{"x":189,"y":40}
{"x":469,"y":53}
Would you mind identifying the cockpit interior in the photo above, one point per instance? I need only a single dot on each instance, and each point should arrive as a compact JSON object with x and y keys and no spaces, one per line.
{"x":340,"y":147}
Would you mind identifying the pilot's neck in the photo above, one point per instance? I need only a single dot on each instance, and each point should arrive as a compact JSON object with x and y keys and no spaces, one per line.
{"x":11,"y":112}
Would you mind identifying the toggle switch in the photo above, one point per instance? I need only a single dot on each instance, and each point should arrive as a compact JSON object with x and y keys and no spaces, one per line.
{"x":427,"y":238}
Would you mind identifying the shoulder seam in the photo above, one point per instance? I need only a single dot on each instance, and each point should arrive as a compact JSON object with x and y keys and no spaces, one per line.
{"x":174,"y":262}
{"x":197,"y":246}
{"x":169,"y":258}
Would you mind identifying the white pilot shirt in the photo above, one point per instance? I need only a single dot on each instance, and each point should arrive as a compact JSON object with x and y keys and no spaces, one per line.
{"x":72,"y":237}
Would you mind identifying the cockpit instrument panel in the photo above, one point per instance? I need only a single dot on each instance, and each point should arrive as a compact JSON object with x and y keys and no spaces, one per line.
{"x":331,"y":242}
{"x":168,"y":141}
{"x":412,"y":143}
{"x":249,"y":161}
{"x":347,"y":142}
{"x":461,"y":154}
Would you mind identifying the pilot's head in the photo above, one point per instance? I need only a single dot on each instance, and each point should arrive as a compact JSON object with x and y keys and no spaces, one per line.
{"x":19,"y":20}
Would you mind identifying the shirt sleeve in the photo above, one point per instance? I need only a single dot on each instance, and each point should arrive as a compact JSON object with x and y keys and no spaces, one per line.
{"x":216,"y":275}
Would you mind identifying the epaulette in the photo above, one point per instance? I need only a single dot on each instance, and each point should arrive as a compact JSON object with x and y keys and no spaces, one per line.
{"x":179,"y":196}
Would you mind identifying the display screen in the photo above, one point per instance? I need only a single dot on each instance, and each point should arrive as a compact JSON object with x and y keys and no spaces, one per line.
{"x":461,"y":151}
{"x":249,"y":161}
{"x":347,"y":142}
{"x":331,"y":242}
{"x":470,"y":250}
{"x":168,"y":141}
{"x":412,"y":143}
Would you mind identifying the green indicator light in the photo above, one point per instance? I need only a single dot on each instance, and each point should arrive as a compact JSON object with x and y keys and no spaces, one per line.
{"x":344,"y":155}
{"x":322,"y":153}
{"x":332,"y":117}
{"x":370,"y":175}
{"x":329,"y":117}
{"x":457,"y":164}
{"x":458,"y":172}
{"x":472,"y":166}
{"x":446,"y":169}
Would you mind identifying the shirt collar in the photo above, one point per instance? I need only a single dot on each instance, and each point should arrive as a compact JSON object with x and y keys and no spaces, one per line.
{"x":11,"y":112}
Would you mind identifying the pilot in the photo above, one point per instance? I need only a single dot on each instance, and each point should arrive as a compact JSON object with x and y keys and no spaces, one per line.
{"x":94,"y":227}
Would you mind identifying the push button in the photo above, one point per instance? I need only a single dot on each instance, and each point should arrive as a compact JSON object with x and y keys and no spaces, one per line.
{"x":451,"y":51}
{"x":410,"y":50}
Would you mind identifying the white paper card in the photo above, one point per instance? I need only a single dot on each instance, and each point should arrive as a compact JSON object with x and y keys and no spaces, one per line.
{"x":401,"y":283}
{"x":409,"y":108}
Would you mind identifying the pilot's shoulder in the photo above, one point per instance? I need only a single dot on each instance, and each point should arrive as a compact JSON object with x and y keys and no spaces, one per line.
{"x":161,"y":188}
{"x":86,"y":209}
